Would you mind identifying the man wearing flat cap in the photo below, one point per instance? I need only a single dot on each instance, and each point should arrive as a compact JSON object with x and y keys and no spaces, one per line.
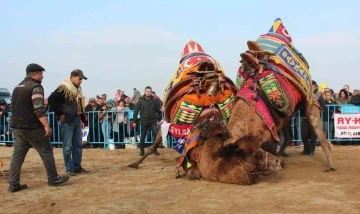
{"x":30,"y":127}
{"x":69,"y":106}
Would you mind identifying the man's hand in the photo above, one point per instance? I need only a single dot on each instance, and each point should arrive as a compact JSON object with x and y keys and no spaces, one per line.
{"x":134,"y":124}
{"x":48,"y":131}
{"x":62,"y":118}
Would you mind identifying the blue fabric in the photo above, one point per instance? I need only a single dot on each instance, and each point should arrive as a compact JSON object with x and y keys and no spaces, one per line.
{"x":72,"y":144}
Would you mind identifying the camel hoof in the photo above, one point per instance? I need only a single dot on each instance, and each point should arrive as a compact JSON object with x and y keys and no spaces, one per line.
{"x":134,"y":166}
{"x":332,"y":169}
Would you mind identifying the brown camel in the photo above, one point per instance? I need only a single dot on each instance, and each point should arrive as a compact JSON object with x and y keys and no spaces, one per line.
{"x":273,"y":82}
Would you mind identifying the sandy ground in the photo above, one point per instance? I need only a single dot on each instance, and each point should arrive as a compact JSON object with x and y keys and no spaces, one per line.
{"x":112,"y":187}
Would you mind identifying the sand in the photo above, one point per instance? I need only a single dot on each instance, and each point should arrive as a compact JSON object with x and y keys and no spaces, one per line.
{"x":111,"y":187}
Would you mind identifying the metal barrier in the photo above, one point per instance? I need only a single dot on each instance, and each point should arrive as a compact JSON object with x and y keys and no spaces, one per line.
{"x":117,"y":128}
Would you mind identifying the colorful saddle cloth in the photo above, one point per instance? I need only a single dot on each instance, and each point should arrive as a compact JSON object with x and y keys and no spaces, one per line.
{"x":282,"y":74}
{"x":198,"y":89}
{"x":186,"y":96}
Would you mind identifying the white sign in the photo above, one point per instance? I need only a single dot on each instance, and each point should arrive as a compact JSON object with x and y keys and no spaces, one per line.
{"x":85,"y":133}
{"x":347,"y":125}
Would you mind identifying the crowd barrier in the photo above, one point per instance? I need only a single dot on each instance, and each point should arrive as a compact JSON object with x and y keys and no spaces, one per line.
{"x":112,"y":132}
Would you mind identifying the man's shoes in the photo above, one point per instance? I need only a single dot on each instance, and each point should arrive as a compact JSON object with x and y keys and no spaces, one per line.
{"x":17,"y":188}
{"x":81,"y":170}
{"x":70,"y":173}
{"x":156,"y":153}
{"x":311,"y":152}
{"x":58,"y":180}
{"x":141,"y":153}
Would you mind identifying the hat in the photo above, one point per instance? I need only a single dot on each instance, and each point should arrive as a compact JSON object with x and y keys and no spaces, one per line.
{"x":2,"y":102}
{"x":34,"y":68}
{"x":78,"y":72}
{"x":92,"y":100}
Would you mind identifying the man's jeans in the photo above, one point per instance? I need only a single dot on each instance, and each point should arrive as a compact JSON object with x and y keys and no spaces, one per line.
{"x":72,"y":144}
{"x":144,"y":129}
{"x":23,"y":140}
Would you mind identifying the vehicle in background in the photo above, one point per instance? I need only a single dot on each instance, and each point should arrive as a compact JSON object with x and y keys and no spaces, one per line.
{"x":5,"y":94}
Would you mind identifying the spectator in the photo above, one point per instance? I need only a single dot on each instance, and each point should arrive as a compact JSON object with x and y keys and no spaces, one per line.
{"x":31,"y":129}
{"x":307,"y":131}
{"x":328,"y":115}
{"x":347,"y":89}
{"x":4,"y":110}
{"x":120,"y":128}
{"x":342,"y":99}
{"x":355,"y":99}
{"x":129,"y":104}
{"x":104,"y":117}
{"x":95,"y":133}
{"x":117,"y":95}
{"x":68,"y":104}
{"x":136,"y":96}
{"x":148,"y":108}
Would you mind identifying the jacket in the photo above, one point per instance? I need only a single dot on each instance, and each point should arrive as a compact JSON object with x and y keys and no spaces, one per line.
{"x":149,"y":108}
{"x":22,"y":107}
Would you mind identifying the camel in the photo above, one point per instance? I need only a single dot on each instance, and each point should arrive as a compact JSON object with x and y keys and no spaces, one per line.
{"x":273,"y":82}
{"x":205,"y":89}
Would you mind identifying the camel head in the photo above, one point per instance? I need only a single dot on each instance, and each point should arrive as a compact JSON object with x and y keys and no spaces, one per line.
{"x":265,"y":162}
{"x":254,"y":158}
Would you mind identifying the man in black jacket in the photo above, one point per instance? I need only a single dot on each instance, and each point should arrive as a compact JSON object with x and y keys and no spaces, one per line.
{"x":148,"y":107}
{"x":307,"y":131}
{"x":30,"y":128}
{"x":69,"y":105}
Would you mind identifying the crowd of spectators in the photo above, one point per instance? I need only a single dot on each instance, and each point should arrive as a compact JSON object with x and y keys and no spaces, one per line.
{"x":111,"y":117}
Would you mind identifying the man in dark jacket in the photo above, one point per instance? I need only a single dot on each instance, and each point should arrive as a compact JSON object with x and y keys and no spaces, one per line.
{"x":307,"y":131}
{"x":69,"y":106}
{"x":148,"y":107}
{"x":30,"y":128}
{"x":95,"y":133}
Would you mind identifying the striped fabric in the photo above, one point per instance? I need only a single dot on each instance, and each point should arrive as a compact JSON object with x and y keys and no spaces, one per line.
{"x":37,"y":98}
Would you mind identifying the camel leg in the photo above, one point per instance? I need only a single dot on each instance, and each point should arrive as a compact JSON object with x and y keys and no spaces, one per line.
{"x":313,"y":115}
{"x":149,"y":151}
{"x":286,"y":130}
{"x":194,"y":172}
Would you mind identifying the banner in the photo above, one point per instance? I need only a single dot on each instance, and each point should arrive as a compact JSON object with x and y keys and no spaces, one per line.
{"x":85,"y":133}
{"x":347,"y":125}
{"x":350,"y":109}
{"x":180,"y":134}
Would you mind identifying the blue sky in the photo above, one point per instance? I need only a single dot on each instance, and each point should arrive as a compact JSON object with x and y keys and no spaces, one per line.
{"x":127,"y":44}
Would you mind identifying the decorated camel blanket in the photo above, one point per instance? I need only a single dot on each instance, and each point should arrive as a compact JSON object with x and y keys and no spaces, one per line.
{"x":198,"y":90}
{"x":282,"y":75}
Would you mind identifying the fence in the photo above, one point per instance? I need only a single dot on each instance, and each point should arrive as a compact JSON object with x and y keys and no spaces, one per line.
{"x":117,"y":127}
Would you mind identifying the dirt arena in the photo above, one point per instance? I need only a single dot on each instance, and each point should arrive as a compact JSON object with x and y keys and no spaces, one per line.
{"x":112,"y":187}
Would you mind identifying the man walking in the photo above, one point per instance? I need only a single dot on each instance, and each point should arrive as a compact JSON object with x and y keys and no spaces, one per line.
{"x":148,"y":107}
{"x":30,"y":128}
{"x":68,"y":104}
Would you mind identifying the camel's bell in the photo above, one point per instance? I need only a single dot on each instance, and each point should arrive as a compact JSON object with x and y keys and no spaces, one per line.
{"x":213,"y":89}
